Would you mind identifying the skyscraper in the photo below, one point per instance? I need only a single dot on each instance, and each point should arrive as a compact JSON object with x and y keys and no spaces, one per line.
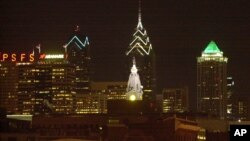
{"x":212,"y":81}
{"x":78,"y":53}
{"x":46,"y":86}
{"x":141,"y":49}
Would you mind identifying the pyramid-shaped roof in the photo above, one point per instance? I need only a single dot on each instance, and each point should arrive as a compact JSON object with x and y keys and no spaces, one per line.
{"x":211,"y":48}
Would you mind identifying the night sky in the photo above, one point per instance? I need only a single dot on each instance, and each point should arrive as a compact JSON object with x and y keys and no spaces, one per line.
{"x":178,"y":31}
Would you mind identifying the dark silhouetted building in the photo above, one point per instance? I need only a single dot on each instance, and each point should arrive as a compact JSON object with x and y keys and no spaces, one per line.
{"x":215,"y":129}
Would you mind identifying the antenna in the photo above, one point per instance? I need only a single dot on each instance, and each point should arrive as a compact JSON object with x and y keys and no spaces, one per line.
{"x":139,"y":25}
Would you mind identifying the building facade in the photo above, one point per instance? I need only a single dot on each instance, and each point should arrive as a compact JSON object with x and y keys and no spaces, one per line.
{"x":46,"y":87}
{"x":115,"y":90}
{"x":175,"y":100}
{"x":8,"y":85}
{"x":94,"y":103}
{"x":101,"y":92}
{"x":212,"y":81}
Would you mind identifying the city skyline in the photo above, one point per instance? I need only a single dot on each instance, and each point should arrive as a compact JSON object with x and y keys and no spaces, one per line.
{"x":179,"y":32}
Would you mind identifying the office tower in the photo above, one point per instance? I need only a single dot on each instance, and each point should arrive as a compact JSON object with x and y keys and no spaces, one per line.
{"x":134,"y":88}
{"x":46,"y":86}
{"x":141,"y":49}
{"x":212,"y":81}
{"x":175,"y":100}
{"x":77,"y":52}
{"x":8,"y":85}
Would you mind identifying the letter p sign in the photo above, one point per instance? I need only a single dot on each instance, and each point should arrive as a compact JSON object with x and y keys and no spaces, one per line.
{"x":240,"y":132}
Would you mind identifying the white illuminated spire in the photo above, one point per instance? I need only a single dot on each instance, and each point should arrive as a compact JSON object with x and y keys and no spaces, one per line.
{"x":139,"y":25}
{"x":140,"y":43}
{"x":134,"y":88}
{"x":134,"y":69}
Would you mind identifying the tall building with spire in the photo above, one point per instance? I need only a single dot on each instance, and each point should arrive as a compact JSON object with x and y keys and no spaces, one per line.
{"x":212,"y":81}
{"x":134,"y":88}
{"x":141,"y":49}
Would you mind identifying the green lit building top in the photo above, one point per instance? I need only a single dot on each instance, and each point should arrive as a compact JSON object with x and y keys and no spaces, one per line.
{"x":212,"y":81}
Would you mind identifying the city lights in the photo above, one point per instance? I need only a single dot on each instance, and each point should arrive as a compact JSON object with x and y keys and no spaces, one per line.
{"x":54,"y":56}
{"x":114,"y":80}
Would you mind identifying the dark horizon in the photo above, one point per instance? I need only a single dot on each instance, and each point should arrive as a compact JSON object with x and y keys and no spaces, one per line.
{"x":179,"y":32}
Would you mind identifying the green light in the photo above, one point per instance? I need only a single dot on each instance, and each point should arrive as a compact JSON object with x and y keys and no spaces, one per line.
{"x":212,"y":48}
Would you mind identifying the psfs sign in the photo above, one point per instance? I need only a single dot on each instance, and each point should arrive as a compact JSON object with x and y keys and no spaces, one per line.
{"x":17,"y":57}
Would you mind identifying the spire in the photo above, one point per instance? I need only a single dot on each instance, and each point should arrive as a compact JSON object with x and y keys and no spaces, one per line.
{"x":134,"y":69}
{"x":139,"y":25}
{"x":140,"y":43}
{"x":134,"y":87}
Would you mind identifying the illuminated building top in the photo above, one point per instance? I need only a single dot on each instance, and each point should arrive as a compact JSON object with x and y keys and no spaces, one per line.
{"x":140,"y":43}
{"x":79,"y":43}
{"x":212,"y":53}
{"x":212,"y":50}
